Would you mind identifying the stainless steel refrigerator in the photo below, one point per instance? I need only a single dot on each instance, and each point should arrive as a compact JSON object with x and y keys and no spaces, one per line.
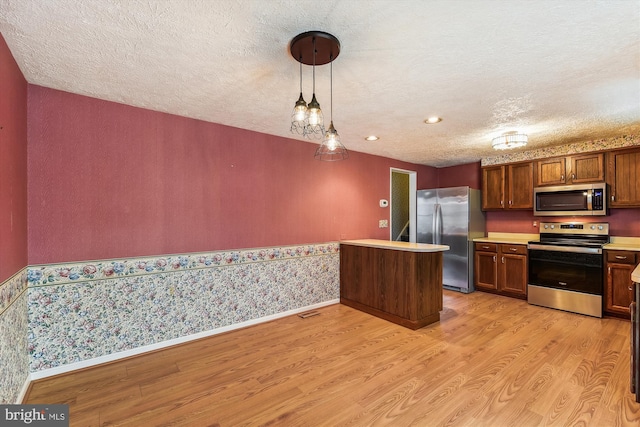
{"x":452,"y":216}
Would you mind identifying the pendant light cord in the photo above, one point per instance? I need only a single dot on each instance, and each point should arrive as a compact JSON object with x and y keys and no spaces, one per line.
{"x":331,"y":90}
{"x":300,"y":73}
{"x":314,"y":65}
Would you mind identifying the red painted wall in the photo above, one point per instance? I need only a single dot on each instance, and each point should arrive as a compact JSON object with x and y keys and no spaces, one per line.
{"x":108,"y":180}
{"x":622,"y":222}
{"x":13,"y":165}
{"x":469,"y":174}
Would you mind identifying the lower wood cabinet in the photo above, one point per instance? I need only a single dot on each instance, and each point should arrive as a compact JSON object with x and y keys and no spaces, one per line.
{"x":501,"y":268}
{"x":618,"y":293}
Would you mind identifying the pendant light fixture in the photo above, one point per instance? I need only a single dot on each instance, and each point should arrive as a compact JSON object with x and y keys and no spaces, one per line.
{"x":299,"y":115}
{"x":331,"y":149}
{"x":314,"y":48}
{"x":315,"y":121}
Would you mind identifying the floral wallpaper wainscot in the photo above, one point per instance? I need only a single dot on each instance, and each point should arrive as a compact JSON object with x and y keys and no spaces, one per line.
{"x":87,"y":310}
{"x":14,"y":358}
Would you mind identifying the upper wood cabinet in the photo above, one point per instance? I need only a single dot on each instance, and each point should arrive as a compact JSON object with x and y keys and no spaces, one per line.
{"x":520,"y":186}
{"x":623,"y":176}
{"x":507,"y":186}
{"x":577,"y":169}
{"x":493,"y":181}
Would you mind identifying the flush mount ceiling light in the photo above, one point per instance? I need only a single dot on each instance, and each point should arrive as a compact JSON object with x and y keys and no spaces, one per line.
{"x":509,"y":140}
{"x":371,"y":138}
{"x":433,"y":120}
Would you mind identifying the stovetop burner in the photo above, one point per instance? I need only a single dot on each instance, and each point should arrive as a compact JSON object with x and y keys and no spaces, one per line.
{"x":588,"y":243}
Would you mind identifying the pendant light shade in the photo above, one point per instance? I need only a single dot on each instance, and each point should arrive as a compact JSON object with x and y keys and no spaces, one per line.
{"x":331,"y":149}
{"x":299,"y":115}
{"x":314,"y":128}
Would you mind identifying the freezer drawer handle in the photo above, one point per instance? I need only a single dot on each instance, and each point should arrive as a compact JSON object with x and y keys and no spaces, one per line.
{"x":620,"y":257}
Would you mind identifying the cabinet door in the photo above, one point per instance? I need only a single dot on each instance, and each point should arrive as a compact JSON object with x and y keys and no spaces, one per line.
{"x":520,"y":186}
{"x":623,"y":175}
{"x":587,"y":168}
{"x":619,"y":292}
{"x":513,"y":273}
{"x":551,"y":171}
{"x":493,"y":183}
{"x":485,"y":270}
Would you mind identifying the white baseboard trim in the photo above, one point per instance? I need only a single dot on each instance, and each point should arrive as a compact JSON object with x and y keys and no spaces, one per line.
{"x":23,"y":390}
{"x":152,"y":347}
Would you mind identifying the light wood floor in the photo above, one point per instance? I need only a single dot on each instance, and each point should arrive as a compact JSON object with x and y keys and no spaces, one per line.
{"x":490,"y":361}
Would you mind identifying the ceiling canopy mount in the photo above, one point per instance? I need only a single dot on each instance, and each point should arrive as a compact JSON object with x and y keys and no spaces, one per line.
{"x":327,"y":47}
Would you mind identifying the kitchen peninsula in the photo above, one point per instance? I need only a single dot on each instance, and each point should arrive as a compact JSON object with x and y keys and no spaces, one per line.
{"x":397,"y":281}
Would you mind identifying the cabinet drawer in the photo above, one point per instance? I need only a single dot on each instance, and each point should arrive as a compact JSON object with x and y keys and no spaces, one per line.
{"x":486,"y":247}
{"x":513,"y":249}
{"x":621,"y":257}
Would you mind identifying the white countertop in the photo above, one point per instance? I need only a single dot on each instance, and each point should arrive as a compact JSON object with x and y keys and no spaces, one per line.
{"x":623,"y":243}
{"x":398,"y":246}
{"x":509,"y":238}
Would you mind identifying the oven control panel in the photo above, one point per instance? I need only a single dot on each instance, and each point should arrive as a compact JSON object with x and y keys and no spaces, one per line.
{"x":600,"y":228}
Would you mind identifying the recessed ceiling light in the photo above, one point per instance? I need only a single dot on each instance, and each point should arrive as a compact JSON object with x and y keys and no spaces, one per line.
{"x":372,"y":138}
{"x":432,"y":120}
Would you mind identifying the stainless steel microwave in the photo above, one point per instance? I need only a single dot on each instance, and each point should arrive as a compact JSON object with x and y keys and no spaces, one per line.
{"x":570,"y":200}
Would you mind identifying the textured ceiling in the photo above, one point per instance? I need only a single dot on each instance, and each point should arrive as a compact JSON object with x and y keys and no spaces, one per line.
{"x":561,"y":71}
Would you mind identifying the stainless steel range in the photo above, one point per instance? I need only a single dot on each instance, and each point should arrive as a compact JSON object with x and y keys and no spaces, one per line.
{"x":566,"y":267}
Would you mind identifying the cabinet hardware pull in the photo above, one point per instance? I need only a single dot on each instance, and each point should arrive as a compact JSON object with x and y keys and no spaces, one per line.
{"x":620,"y":257}
{"x":573,"y":176}
{"x":503,"y":260}
{"x":630,"y":288}
{"x":513,"y":249}
{"x":510,"y":202}
{"x":485,"y":247}
{"x":609,"y":271}
{"x":613,"y":198}
{"x":501,"y":202}
{"x":494,"y":258}
{"x":562,"y":177}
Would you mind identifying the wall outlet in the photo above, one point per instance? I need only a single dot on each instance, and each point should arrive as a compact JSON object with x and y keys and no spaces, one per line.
{"x":535,"y":223}
{"x":383,"y":223}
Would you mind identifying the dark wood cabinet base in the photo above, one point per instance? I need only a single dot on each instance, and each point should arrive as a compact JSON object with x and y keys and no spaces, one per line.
{"x":401,"y":286}
{"x":407,"y":323}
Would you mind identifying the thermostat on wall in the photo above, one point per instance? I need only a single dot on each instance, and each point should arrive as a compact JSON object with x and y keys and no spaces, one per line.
{"x":384,"y":203}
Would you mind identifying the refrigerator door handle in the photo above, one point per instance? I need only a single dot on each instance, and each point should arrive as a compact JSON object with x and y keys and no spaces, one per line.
{"x":634,"y":325}
{"x":437,"y":224}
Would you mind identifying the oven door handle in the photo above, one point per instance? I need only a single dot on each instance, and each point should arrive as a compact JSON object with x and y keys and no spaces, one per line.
{"x":574,"y":249}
